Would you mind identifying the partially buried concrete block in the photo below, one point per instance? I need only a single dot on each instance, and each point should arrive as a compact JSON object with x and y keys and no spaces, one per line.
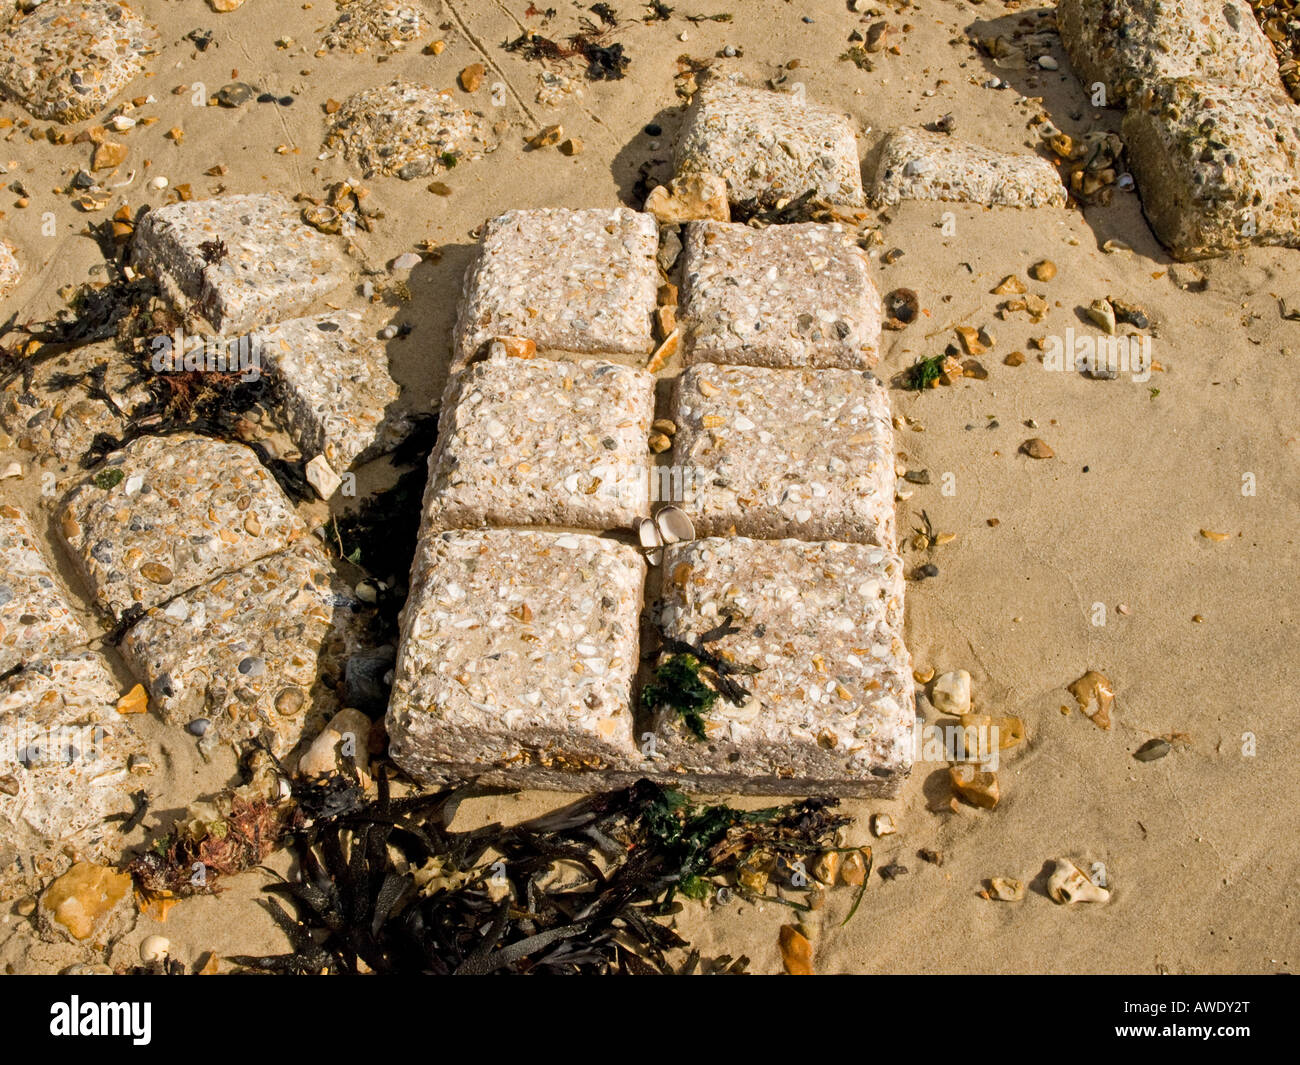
{"x":169,"y":512}
{"x":831,"y":703}
{"x":66,"y":767}
{"x":769,"y":146}
{"x":516,"y":661}
{"x":566,"y":280}
{"x":785,"y":296}
{"x":806,"y":454}
{"x":1218,"y":166}
{"x":540,"y":442}
{"x":240,"y":261}
{"x":918,"y":165}
{"x":67,"y":59}
{"x":35,"y":619}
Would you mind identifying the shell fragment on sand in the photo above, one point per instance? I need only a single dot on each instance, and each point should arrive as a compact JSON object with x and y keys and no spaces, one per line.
{"x":918,"y":165}
{"x":331,"y":378}
{"x":254,"y":653}
{"x":408,"y":131}
{"x":1217,"y":166}
{"x":11,"y":270}
{"x":769,"y":146}
{"x":832,"y":705}
{"x":806,"y":454}
{"x":518,"y":650}
{"x":785,"y":296}
{"x":538,"y":442}
{"x":62,"y":410}
{"x":1127,"y":45}
{"x":167,"y":513}
{"x":35,"y":619}
{"x":569,"y":280}
{"x":240,"y":261}
{"x":63,"y":768}
{"x":67,"y":59}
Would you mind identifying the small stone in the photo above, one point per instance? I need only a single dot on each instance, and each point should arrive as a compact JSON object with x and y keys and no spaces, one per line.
{"x":659,"y":443}
{"x":1016,"y":358}
{"x":471,"y":77}
{"x":1096,"y":697}
{"x":883,"y":825}
{"x":1010,"y":286}
{"x":407,"y":261}
{"x":1102,"y":314}
{"x":1006,"y":889}
{"x":1047,"y":62}
{"x":1043,"y":270}
{"x":236,"y":94}
{"x":796,"y":951}
{"x":1217,"y":537}
{"x":435,"y":47}
{"x":691,"y":197}
{"x":82,"y":902}
{"x":853,"y":867}
{"x":347,"y":736}
{"x":927,"y":854}
{"x":827,"y":866}
{"x":571,"y":146}
{"x":321,"y":476}
{"x":546,"y":137}
{"x":1036,"y":448}
{"x":136,"y":701}
{"x":664,"y":425}
{"x":1152,"y":750}
{"x":514,"y":347}
{"x":978,"y":787}
{"x":951,"y":693}
{"x":108,"y":154}
{"x":198,"y":727}
{"x":156,"y":572}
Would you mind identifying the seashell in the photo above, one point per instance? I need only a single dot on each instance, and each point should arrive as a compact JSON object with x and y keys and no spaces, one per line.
{"x":648,"y":533}
{"x":1068,"y":884}
{"x":154,"y":948}
{"x":674,"y":526}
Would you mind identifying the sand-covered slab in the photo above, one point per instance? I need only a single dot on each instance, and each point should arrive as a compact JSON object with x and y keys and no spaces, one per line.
{"x":240,"y":261}
{"x":537,"y":442}
{"x":1130,"y":44}
{"x":806,"y":454}
{"x":568,"y":280}
{"x":785,"y":296}
{"x":831,"y":705}
{"x":67,"y":59}
{"x":408,"y":131}
{"x":35,"y":619}
{"x":169,"y":512}
{"x":330,"y":375}
{"x":254,"y":653}
{"x":769,"y":146}
{"x":918,"y":165}
{"x":517,"y":657}
{"x":65,"y":766}
{"x":1218,"y":166}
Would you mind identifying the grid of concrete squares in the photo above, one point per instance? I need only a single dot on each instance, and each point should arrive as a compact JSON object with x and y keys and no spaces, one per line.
{"x":521,"y":636}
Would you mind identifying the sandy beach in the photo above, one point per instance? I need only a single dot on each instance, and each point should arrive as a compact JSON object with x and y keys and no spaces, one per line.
{"x":1093,"y":559}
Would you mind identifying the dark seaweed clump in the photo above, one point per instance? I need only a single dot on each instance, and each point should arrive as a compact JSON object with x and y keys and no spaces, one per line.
{"x":388,"y":887}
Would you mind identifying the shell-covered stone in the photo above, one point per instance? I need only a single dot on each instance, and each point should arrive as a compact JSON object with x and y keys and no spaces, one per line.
{"x":539,"y":442}
{"x":806,"y":454}
{"x":255,"y":653}
{"x":240,"y":261}
{"x":383,"y":25}
{"x":918,"y":165}
{"x":1130,"y":44}
{"x":832,"y":706}
{"x":784,"y":296}
{"x":184,"y":509}
{"x":67,"y":59}
{"x":576,"y":281}
{"x":1218,"y":166}
{"x":330,"y":375}
{"x":769,"y":146}
{"x":516,"y":660}
{"x":64,"y":769}
{"x":408,"y":131}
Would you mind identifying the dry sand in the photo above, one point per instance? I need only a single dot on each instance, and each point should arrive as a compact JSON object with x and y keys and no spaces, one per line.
{"x":1199,"y":846}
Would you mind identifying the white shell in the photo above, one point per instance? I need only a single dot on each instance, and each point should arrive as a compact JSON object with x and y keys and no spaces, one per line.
{"x":154,"y":948}
{"x":1069,"y":884}
{"x":674,"y":525}
{"x":648,"y":533}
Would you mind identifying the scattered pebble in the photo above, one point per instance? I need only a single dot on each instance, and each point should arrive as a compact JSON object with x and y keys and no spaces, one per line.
{"x":1037,"y":448}
{"x":1152,"y":750}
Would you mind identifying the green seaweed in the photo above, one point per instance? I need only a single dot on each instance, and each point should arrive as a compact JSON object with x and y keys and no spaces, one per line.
{"x":677,"y":684}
